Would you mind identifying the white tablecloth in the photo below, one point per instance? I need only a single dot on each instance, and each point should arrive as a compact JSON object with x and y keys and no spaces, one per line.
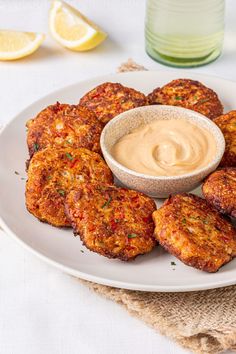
{"x":41,"y":309}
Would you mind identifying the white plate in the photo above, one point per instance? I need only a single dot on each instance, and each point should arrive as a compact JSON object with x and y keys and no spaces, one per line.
{"x":58,"y":247}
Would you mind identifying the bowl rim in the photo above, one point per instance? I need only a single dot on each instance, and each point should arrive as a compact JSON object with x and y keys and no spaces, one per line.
{"x":123,"y":115}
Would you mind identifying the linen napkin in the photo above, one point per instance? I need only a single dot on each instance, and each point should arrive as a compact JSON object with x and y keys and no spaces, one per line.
{"x":201,"y":321}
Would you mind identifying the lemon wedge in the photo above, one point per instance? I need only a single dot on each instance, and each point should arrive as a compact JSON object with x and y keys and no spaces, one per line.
{"x":72,"y":29}
{"x":16,"y":45}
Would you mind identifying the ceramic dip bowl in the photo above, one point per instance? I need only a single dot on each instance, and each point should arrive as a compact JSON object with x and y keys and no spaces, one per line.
{"x":158,"y":186}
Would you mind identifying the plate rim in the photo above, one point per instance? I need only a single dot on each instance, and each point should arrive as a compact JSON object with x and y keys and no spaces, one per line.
{"x":113,"y":283}
{"x":98,"y":279}
{"x":93,"y":78}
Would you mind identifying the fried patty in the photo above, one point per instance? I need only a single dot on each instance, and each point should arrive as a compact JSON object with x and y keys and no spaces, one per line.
{"x":53,"y":173}
{"x":110,"y":99}
{"x":114,"y":222}
{"x":188,"y":94}
{"x":193,"y":231}
{"x":64,"y":125}
{"x":219,"y":190}
{"x":227,"y":124}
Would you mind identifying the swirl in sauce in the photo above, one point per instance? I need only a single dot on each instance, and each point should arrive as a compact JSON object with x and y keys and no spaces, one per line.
{"x":165,"y":148}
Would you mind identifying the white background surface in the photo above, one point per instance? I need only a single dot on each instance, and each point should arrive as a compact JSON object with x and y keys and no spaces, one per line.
{"x":41,"y":309}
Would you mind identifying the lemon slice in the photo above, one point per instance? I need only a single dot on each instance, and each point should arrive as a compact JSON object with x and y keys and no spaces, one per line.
{"x":16,"y":45}
{"x":72,"y":29}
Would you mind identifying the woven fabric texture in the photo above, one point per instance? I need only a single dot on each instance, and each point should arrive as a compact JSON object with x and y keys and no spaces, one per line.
{"x":203,"y":321}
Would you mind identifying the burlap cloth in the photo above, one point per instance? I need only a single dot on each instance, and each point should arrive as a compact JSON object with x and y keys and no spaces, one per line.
{"x":202,"y":321}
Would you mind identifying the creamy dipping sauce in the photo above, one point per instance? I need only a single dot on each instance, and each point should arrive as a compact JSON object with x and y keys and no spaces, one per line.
{"x":166,"y":148}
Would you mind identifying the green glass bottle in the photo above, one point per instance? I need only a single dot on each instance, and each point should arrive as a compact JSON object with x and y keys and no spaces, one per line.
{"x":184,"y":33}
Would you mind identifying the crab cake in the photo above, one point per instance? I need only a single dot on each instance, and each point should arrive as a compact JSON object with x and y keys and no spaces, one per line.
{"x":109,"y":99}
{"x":51,"y":175}
{"x":114,"y":222}
{"x":188,"y":94}
{"x":193,"y":231}
{"x":227,"y":124}
{"x":219,"y":190}
{"x":64,"y":125}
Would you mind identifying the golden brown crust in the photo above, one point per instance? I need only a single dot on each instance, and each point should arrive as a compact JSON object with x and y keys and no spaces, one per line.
{"x":51,"y":175}
{"x":193,"y":231}
{"x":64,"y":125}
{"x":114,"y":222}
{"x":110,"y":99}
{"x":219,"y":190}
{"x":227,"y":124}
{"x":188,"y":94}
